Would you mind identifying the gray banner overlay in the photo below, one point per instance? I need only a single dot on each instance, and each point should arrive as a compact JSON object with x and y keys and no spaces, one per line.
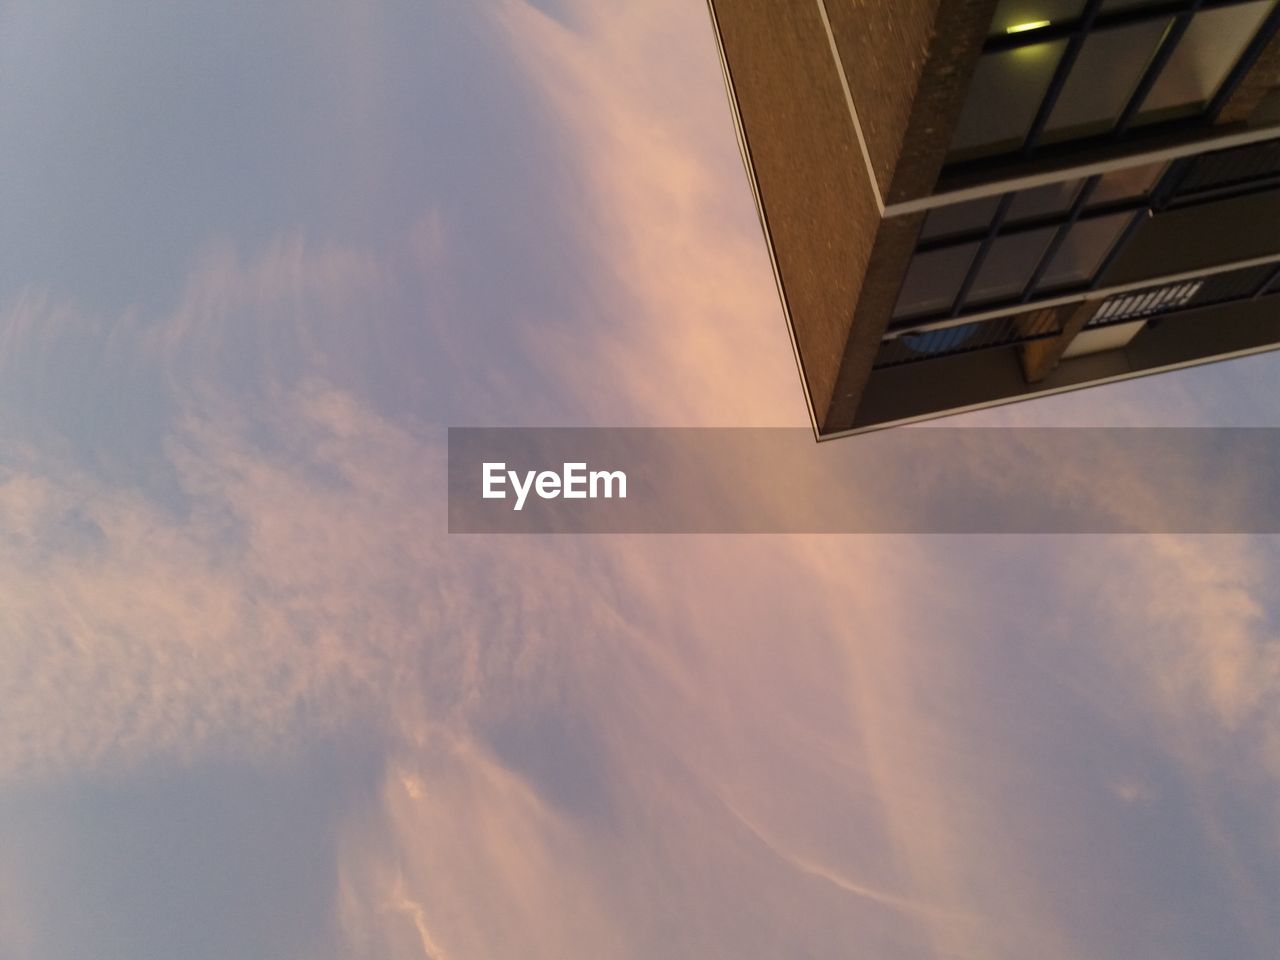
{"x":912,"y":480}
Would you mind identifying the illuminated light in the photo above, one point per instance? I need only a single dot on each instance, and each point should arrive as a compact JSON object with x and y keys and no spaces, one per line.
{"x":1029,"y":25}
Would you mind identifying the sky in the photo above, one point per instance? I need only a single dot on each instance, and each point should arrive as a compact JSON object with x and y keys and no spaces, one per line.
{"x":255,"y":702}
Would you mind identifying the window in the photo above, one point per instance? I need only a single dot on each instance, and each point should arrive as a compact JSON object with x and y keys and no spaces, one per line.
{"x":959,"y":218}
{"x":1127,"y":184}
{"x":1003,"y":99}
{"x":933,"y":280}
{"x":1009,"y":264}
{"x":1200,"y":63}
{"x":1103,"y":79}
{"x":1082,"y":251}
{"x":1045,"y":77}
{"x":1046,"y":201}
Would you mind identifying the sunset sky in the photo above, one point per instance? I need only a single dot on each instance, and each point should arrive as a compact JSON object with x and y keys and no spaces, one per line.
{"x":255,"y":702}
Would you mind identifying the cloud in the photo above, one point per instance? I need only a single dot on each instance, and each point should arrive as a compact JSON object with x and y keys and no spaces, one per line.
{"x":626,"y":746}
{"x":652,"y":147}
{"x":135,"y":628}
{"x":855,"y":726}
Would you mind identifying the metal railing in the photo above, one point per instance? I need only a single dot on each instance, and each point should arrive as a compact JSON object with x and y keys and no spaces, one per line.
{"x":1247,"y":283}
{"x":983,"y":335}
{"x":1231,"y":285}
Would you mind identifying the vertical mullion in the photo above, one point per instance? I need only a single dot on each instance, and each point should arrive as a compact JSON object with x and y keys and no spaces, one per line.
{"x":1118,"y":247}
{"x":1077,"y":207}
{"x":1161,"y":59}
{"x":980,"y":255}
{"x":1060,"y":75}
{"x":1172,"y":179}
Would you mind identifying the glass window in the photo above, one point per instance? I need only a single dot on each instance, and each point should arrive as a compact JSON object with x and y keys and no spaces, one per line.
{"x":1103,"y":79}
{"x":1053,"y":198}
{"x":1209,"y":49}
{"x":1015,"y":16}
{"x":1083,"y":250}
{"x":1009,"y":264}
{"x":933,"y":280}
{"x":1127,"y":184}
{"x":1003,"y":98}
{"x":1119,"y":6}
{"x":959,"y":218}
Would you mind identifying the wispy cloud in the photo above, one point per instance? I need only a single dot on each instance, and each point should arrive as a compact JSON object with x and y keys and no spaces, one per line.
{"x":614,"y":747}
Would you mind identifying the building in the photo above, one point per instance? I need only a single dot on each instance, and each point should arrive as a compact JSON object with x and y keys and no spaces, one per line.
{"x":969,"y":202}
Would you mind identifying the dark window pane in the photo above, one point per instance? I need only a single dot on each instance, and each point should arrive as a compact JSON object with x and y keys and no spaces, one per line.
{"x":1209,"y":49}
{"x":1127,"y":184}
{"x":1103,"y":79}
{"x":1081,"y":253}
{"x":1003,"y":98}
{"x":959,"y":218}
{"x":1119,"y":6}
{"x":1009,"y":265}
{"x":1053,"y":198}
{"x":933,"y":280}
{"x":1015,"y":16}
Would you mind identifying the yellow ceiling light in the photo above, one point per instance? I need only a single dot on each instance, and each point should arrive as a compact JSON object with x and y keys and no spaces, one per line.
{"x":1029,"y":25}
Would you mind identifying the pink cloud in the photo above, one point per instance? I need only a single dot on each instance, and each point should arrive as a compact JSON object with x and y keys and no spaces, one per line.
{"x":751,"y":746}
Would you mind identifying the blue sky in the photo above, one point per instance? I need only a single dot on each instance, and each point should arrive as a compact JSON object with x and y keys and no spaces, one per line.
{"x":255,"y":703}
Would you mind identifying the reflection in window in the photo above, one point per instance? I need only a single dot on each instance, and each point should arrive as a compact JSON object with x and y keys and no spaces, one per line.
{"x":1127,"y":184}
{"x":933,"y":280}
{"x":1011,"y":15}
{"x":1209,"y":49}
{"x":1009,"y":264}
{"x":1003,"y":98}
{"x":1083,"y":250}
{"x":959,"y":218}
{"x":1052,"y":198}
{"x":1103,"y":79}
